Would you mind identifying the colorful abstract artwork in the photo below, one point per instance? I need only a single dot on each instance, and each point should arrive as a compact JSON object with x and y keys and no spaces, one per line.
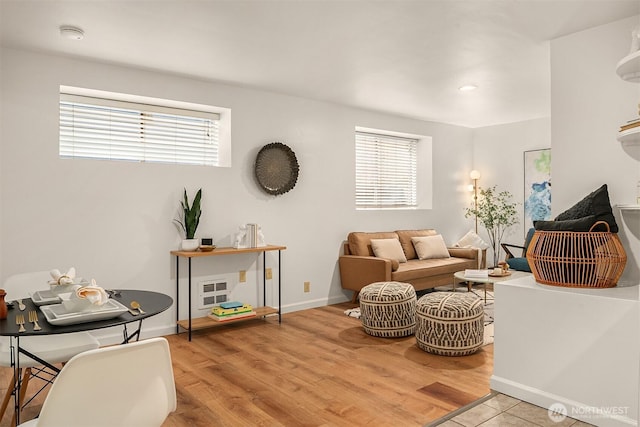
{"x":537,"y":186}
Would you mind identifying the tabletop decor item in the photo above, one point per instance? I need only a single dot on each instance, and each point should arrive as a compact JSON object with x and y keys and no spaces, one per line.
{"x":206,"y":244}
{"x":249,"y":236}
{"x":59,"y":315}
{"x":67,"y":282}
{"x":189,"y":220}
{"x":62,"y":279}
{"x":85,"y":298}
{"x":497,"y":213}
{"x":276,"y":168}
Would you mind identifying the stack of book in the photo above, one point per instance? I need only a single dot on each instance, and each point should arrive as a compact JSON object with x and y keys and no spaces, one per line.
{"x":231,"y":311}
{"x":476,"y":274}
{"x":252,"y":235}
{"x":630,"y":125}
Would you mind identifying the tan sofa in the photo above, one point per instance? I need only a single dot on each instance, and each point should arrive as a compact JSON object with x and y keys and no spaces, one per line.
{"x":359,"y":266}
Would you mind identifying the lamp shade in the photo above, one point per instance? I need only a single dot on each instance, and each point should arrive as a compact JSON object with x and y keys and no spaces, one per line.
{"x":474,"y":174}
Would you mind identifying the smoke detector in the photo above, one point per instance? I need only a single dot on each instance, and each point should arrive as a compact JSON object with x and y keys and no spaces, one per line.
{"x":72,"y":33}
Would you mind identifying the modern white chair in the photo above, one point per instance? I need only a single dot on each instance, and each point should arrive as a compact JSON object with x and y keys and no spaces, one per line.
{"x":123,"y":385}
{"x":52,"y":348}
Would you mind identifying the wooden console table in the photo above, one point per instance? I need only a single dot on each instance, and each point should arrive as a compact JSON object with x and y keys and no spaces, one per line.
{"x":206,"y":322}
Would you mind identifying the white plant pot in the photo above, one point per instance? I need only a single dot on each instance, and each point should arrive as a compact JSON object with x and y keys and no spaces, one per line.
{"x":190,"y":245}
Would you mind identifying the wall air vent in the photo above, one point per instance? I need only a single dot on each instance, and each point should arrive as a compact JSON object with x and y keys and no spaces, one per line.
{"x":213,"y":291}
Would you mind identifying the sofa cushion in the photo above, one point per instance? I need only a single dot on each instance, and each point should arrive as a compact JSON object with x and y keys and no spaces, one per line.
{"x":360,"y":242}
{"x":429,"y":247}
{"x":405,"y":240}
{"x":388,"y":248}
{"x":418,"y":269}
{"x":597,"y":203}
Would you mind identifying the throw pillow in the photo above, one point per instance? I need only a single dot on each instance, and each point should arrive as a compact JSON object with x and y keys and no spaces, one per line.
{"x":405,"y":240}
{"x":597,"y":203}
{"x":519,"y":264}
{"x":388,"y":248}
{"x":580,"y":224}
{"x":471,"y":240}
{"x":429,"y":247}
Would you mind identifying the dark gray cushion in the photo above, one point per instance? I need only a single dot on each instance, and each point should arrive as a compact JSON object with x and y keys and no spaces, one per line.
{"x":580,"y":224}
{"x":597,"y":203}
{"x":519,"y":264}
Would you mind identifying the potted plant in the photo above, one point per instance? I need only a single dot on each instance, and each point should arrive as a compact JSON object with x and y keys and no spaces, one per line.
{"x":497,"y":213}
{"x":189,"y":220}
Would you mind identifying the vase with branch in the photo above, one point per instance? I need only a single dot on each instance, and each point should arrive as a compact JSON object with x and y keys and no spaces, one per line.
{"x":496,"y":212}
{"x":189,"y":219}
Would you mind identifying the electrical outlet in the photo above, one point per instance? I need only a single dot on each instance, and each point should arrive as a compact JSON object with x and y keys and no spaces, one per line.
{"x":307,"y":286}
{"x":269,"y":274}
{"x":243,"y":276}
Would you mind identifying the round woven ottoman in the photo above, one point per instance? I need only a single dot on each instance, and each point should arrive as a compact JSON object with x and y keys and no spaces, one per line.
{"x":388,"y":309}
{"x":450,"y":323}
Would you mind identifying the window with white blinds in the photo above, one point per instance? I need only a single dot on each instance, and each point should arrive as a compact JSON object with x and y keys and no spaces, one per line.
{"x":386,"y":170}
{"x":99,"y":128}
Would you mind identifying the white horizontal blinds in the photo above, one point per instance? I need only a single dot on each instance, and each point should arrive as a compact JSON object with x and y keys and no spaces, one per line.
{"x":386,"y":168}
{"x":98,"y":128}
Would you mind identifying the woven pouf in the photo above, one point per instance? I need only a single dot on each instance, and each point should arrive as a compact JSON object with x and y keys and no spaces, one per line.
{"x":388,"y":309}
{"x":450,"y":323}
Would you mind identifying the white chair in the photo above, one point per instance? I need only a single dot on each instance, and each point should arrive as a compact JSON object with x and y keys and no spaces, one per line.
{"x":123,"y":385}
{"x":51,"y":348}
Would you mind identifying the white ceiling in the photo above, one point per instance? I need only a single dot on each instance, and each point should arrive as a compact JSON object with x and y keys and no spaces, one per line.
{"x":402,"y":57}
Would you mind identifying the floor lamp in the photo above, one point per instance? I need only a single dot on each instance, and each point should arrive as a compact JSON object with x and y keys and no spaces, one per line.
{"x":475,"y":176}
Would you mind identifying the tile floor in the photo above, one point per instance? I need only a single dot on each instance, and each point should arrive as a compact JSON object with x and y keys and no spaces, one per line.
{"x":501,"y":410}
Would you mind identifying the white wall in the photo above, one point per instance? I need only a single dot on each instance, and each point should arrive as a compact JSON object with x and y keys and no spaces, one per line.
{"x":589,"y":102}
{"x":113,"y":221}
{"x":577,"y":347}
{"x":498,"y":153}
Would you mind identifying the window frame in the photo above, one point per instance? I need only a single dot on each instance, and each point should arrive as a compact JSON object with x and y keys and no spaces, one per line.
{"x":181,"y":130}
{"x":385,"y":159}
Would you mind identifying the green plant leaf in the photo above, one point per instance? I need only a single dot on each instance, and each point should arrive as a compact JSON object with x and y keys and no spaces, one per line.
{"x":190,"y":214}
{"x":496,"y":212}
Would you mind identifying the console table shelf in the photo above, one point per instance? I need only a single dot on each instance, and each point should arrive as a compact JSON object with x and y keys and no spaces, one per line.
{"x":206,"y":322}
{"x":191,"y":324}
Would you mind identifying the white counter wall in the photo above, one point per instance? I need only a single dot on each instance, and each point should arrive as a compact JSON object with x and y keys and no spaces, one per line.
{"x":577,"y":347}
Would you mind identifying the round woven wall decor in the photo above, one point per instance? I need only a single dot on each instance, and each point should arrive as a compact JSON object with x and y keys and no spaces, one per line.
{"x":276,"y":168}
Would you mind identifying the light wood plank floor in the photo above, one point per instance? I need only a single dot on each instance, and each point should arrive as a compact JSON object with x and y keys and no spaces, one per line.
{"x":317,"y":368}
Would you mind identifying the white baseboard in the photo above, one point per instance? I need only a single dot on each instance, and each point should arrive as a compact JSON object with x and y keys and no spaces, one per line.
{"x":320,"y":302}
{"x":603,"y":417}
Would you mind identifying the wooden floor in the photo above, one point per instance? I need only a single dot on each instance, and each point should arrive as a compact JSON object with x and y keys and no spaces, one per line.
{"x":316,"y":368}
